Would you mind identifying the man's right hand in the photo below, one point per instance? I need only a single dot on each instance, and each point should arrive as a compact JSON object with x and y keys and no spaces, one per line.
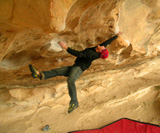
{"x":120,"y":33}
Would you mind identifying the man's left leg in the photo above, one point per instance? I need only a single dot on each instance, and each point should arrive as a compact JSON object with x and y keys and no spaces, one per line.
{"x":74,"y":74}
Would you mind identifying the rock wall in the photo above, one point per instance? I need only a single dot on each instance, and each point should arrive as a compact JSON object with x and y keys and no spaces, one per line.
{"x":124,"y":85}
{"x":139,"y":20}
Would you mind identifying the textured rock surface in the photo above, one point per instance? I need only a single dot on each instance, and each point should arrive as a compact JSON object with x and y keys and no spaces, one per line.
{"x":127,"y":84}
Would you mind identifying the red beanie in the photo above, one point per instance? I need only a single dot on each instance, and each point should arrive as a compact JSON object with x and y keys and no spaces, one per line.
{"x":104,"y":54}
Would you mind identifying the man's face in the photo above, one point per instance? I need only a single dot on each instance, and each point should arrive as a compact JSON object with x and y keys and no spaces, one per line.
{"x":99,"y":48}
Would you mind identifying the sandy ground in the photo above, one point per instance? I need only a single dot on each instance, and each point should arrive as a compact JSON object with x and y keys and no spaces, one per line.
{"x":105,"y":95}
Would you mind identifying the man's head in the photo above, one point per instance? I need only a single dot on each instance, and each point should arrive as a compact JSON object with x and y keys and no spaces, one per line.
{"x":103,"y":51}
{"x":104,"y":54}
{"x":99,"y":48}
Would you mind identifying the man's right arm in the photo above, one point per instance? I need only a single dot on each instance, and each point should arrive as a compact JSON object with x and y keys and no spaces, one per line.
{"x":107,"y":42}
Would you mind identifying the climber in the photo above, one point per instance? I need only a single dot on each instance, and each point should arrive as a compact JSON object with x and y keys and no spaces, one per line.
{"x":82,"y":62}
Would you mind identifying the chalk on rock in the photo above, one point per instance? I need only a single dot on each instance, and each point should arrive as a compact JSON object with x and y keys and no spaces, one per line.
{"x":54,"y":46}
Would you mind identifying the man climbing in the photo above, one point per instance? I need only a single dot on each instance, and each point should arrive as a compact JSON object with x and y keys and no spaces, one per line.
{"x":82,"y":62}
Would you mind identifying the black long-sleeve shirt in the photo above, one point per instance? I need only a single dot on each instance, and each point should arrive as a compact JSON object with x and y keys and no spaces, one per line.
{"x":85,"y":57}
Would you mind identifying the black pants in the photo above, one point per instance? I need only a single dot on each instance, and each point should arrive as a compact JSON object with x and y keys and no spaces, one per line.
{"x":72,"y":72}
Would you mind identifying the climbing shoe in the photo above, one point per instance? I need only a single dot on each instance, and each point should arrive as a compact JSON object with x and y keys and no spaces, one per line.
{"x":72,"y":107}
{"x":34,"y":72}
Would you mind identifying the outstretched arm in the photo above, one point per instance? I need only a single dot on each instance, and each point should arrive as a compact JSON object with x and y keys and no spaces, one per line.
{"x":109,"y":41}
{"x":78,"y":53}
{"x":84,"y":53}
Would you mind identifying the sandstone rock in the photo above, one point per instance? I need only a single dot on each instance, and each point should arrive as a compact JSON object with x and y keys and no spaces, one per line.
{"x":124,"y":85}
{"x":20,"y":94}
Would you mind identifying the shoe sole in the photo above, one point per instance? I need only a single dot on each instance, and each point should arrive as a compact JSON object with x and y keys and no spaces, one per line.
{"x":72,"y":108}
{"x":34,"y":74}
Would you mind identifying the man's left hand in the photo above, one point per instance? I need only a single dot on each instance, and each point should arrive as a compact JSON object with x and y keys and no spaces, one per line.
{"x":63,"y":45}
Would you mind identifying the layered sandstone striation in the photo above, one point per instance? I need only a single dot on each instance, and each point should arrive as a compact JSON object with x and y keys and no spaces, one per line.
{"x":127,"y":84}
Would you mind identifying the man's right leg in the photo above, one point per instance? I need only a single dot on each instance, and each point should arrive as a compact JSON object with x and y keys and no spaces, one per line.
{"x":74,"y":74}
